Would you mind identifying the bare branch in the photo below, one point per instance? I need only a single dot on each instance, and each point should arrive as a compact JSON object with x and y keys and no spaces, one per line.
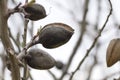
{"x":16,"y":9}
{"x":91,"y":68}
{"x":14,"y":64}
{"x":31,"y":28}
{"x":6,"y":40}
{"x":53,"y":75}
{"x":3,"y":25}
{"x":15,"y":41}
{"x":95,"y":40}
{"x":25,"y":32}
{"x":111,"y":75}
{"x":31,"y":78}
{"x":83,"y":29}
{"x":25,"y":74}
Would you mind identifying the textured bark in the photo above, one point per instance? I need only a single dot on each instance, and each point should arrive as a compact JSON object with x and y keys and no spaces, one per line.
{"x":3,"y":25}
{"x":6,"y":40}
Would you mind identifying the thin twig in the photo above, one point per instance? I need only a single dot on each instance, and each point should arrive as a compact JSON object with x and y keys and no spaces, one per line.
{"x":28,"y":45}
{"x":83,"y":29}
{"x":24,"y":44}
{"x":14,"y":10}
{"x":15,"y":41}
{"x":111,"y":75}
{"x":25,"y":32}
{"x":94,"y":42}
{"x":30,"y":76}
{"x":53,"y":75}
{"x":31,"y":29}
{"x":91,"y":68}
{"x":15,"y":3}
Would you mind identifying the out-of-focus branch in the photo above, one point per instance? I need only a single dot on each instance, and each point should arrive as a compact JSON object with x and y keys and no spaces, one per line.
{"x":25,"y":32}
{"x":31,"y":29}
{"x":29,"y":75}
{"x":25,"y":74}
{"x":95,"y":40}
{"x":98,"y":14}
{"x":14,"y":64}
{"x":15,"y":3}
{"x":15,"y":41}
{"x":83,"y":29}
{"x":12,"y":11}
{"x":53,"y":75}
{"x":3,"y":59}
{"x":3,"y":25}
{"x":111,"y":75}
{"x":91,"y":68}
{"x":28,"y":45}
{"x":6,"y":40}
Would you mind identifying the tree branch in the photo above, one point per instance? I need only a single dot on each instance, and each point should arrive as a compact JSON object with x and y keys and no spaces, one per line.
{"x":5,"y":38}
{"x":3,"y":25}
{"x":25,"y":74}
{"x":14,"y":40}
{"x":53,"y":75}
{"x":95,"y":40}
{"x":83,"y":29}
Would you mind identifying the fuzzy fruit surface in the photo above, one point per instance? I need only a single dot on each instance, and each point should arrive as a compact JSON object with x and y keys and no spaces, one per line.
{"x":55,"y":34}
{"x":34,"y":11}
{"x":39,"y":59}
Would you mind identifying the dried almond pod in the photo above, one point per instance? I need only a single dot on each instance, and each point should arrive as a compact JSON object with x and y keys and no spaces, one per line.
{"x":113,"y":52}
{"x":55,"y":34}
{"x":39,"y":59}
{"x":34,"y":11}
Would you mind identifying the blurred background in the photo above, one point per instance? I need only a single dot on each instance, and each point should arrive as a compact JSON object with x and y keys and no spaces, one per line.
{"x":86,"y":17}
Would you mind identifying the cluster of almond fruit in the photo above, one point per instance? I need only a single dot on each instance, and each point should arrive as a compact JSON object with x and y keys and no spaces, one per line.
{"x":51,"y":36}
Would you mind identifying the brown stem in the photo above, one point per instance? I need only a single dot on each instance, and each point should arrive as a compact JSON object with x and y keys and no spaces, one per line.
{"x":53,"y":75}
{"x":5,"y":38}
{"x":24,"y":41}
{"x":3,"y":25}
{"x":83,"y":29}
{"x":94,"y":42}
{"x":14,"y":40}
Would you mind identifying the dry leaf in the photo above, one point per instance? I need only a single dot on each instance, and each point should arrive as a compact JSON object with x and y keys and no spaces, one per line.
{"x":113,"y":52}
